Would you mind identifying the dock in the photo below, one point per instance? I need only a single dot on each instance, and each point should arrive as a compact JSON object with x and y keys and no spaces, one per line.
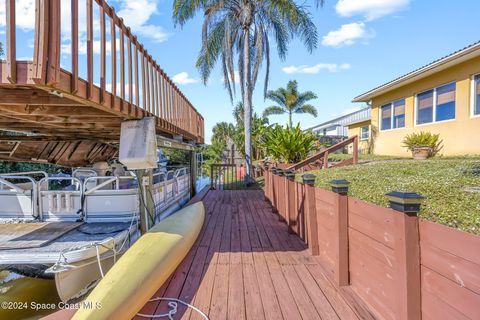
{"x":246,"y":265}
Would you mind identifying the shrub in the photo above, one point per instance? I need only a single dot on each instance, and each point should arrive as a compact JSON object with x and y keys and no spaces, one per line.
{"x":423,"y":140}
{"x":288,"y":144}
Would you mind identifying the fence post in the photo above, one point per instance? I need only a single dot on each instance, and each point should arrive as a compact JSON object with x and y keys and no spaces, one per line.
{"x":281,"y":196}
{"x":290,"y":197}
{"x":274,"y":189}
{"x":311,"y":213}
{"x":340,"y":187}
{"x":407,"y":253}
{"x":266,"y":181}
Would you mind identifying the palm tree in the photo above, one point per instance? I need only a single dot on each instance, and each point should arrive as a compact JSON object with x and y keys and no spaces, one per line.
{"x":259,"y":126}
{"x":290,"y":101}
{"x":223,"y":131}
{"x":241,"y":29}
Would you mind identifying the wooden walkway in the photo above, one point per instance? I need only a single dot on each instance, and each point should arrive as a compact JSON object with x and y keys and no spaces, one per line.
{"x":245,"y":265}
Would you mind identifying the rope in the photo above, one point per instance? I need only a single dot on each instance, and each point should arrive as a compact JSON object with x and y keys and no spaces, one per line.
{"x":99,"y":261}
{"x":173,"y":304}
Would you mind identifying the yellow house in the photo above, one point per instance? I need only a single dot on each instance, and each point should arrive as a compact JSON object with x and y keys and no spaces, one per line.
{"x":442,"y":97}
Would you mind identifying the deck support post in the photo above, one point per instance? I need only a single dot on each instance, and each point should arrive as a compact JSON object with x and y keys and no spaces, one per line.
{"x":193,"y":173}
{"x":311,"y":214}
{"x":340,"y":187}
{"x":406,"y":206}
{"x":147,"y":206}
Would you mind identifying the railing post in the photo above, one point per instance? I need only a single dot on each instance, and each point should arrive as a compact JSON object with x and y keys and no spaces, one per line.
{"x":340,"y":187}
{"x":11,"y":41}
{"x":290,"y":200}
{"x":311,"y":214}
{"x":41,"y":41}
{"x":407,"y":253}
{"x":355,"y":150}
{"x":53,"y":66}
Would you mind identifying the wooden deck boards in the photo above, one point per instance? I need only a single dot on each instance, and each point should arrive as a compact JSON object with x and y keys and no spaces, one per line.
{"x":245,"y":265}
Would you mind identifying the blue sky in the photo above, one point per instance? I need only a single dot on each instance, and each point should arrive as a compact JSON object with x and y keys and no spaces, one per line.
{"x":361,"y":44}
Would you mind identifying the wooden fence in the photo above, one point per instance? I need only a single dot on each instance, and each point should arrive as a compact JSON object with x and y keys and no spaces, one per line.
{"x":401,"y":266}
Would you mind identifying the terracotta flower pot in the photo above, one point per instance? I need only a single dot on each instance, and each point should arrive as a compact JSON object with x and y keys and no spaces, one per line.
{"x":421,"y":153}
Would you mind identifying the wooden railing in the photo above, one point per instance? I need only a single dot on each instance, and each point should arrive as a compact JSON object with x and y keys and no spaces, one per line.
{"x":136,"y":78}
{"x":401,"y":266}
{"x":320,"y":160}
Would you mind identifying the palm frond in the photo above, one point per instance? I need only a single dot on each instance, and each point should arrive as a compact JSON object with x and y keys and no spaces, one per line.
{"x":273,"y":110}
{"x":307,"y":108}
{"x":279,"y":96}
{"x":304,"y":97}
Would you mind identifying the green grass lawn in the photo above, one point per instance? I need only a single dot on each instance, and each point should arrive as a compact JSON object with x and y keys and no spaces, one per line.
{"x":443,"y":182}
{"x":365,"y":157}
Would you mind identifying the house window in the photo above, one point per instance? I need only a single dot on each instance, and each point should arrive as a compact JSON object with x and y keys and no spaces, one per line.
{"x":386,"y":112}
{"x":476,"y":95}
{"x":399,"y":114}
{"x":436,"y":104}
{"x":445,"y":102}
{"x":365,"y":133}
{"x":425,"y":107}
{"x":393,"y":115}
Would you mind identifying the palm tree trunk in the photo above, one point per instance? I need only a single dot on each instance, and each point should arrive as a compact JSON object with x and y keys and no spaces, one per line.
{"x":290,"y":118}
{"x":247,"y":104}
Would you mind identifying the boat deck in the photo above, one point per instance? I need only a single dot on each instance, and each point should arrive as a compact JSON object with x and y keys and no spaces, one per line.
{"x":246,"y":265}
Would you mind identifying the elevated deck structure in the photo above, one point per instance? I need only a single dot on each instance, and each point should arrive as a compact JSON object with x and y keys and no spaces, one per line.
{"x":75,"y":106}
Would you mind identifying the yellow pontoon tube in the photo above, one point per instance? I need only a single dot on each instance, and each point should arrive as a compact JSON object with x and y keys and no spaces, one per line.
{"x":143,"y":269}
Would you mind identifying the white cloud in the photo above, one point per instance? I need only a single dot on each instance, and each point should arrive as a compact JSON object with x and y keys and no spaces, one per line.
{"x":370,"y":9}
{"x":137,"y":13}
{"x":347,"y":35}
{"x":25,"y":14}
{"x":183,"y":78}
{"x":332,"y":67}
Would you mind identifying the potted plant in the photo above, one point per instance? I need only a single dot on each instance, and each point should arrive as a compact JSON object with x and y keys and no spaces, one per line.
{"x":423,"y":144}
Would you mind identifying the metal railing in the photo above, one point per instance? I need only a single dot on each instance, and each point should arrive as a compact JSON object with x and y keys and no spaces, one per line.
{"x":227,"y":177}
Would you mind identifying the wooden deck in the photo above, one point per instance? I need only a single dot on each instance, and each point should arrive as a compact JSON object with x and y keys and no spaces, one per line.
{"x":246,"y":265}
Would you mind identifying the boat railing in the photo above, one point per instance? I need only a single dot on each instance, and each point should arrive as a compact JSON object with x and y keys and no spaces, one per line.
{"x":159,"y":177}
{"x":18,"y":201}
{"x":28,"y":173}
{"x":89,"y":172}
{"x":170,"y":189}
{"x":104,"y":198}
{"x":109,"y":200}
{"x":64,"y":202}
{"x":170,"y":174}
